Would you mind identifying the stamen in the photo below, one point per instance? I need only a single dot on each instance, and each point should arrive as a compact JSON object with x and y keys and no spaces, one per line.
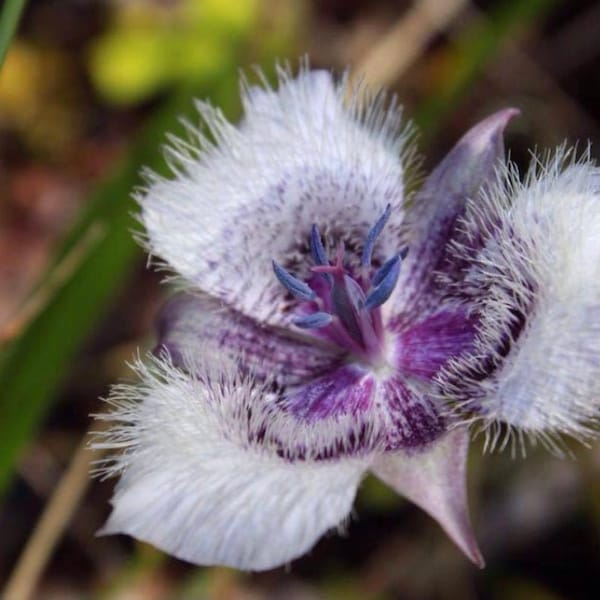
{"x":349,"y":318}
{"x":295,"y":286}
{"x":314,"y":321}
{"x":384,"y":289}
{"x":372,"y":236}
{"x":316,"y":247}
{"x":387,"y":265}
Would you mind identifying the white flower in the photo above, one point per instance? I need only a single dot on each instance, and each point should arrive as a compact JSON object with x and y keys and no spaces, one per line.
{"x":283,"y":375}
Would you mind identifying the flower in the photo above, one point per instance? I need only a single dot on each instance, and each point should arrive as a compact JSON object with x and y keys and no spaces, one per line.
{"x":330,"y":325}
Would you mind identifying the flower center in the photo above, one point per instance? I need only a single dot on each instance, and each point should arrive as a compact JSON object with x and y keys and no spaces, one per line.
{"x":341,"y":305}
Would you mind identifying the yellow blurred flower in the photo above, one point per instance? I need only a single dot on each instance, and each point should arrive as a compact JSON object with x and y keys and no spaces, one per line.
{"x":38,"y":97}
{"x":151,"y":46}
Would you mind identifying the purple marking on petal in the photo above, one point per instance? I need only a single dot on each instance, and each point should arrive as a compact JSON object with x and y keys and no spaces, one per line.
{"x":386,"y":416}
{"x":191,"y":324}
{"x":467,"y":168}
{"x":423,"y":348}
{"x":346,"y":390}
{"x":415,"y":420}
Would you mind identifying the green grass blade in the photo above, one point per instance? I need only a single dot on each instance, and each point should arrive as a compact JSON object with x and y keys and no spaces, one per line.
{"x":35,"y":365}
{"x":10,"y":14}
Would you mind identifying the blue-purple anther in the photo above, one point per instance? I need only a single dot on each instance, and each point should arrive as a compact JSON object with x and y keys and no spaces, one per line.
{"x":346,"y":310}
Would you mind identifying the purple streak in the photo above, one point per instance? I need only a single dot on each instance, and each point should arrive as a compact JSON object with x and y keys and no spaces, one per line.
{"x":424,"y":347}
{"x":346,"y":390}
{"x":415,"y":420}
{"x":189,"y":324}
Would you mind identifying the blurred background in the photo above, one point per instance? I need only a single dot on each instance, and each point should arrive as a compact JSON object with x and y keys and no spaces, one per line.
{"x":88,"y":91}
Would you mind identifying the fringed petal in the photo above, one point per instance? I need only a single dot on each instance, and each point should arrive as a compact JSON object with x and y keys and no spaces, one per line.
{"x":536,"y":285}
{"x":303,"y":154}
{"x":354,"y":410}
{"x":435,"y":480}
{"x":204,"y":478}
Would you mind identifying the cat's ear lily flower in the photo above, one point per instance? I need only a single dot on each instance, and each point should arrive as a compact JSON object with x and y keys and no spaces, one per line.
{"x":326,"y":331}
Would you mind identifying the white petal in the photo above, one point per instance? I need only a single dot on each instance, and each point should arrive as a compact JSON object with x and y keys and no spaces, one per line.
{"x":540,"y":268}
{"x":435,"y":480}
{"x":302,"y":155}
{"x":196,"y":484}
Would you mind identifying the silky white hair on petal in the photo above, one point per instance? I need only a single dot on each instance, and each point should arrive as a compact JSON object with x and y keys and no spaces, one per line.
{"x":206,"y":473}
{"x":537,"y":287}
{"x":241,"y":409}
{"x":312,"y":151}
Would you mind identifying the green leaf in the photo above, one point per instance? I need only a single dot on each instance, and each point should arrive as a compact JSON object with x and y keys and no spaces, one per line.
{"x":100,"y":253}
{"x":10,"y":14}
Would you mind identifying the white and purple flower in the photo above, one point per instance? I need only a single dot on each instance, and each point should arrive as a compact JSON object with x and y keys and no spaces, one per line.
{"x":328,"y":326}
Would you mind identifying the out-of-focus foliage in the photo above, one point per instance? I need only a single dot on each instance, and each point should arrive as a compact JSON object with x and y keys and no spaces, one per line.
{"x":476,"y":45}
{"x":38,"y":98}
{"x":30,"y":372}
{"x":10,"y":13}
{"x":150,"y":46}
